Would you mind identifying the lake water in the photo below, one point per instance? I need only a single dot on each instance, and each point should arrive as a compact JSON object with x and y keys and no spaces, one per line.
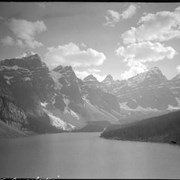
{"x":85,"y":155}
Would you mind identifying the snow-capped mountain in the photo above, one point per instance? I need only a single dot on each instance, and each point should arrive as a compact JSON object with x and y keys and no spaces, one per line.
{"x":49,"y":101}
{"x":91,"y":81}
{"x":174,"y":85}
{"x":145,"y":94}
{"x":33,"y":98}
{"x":108,"y":80}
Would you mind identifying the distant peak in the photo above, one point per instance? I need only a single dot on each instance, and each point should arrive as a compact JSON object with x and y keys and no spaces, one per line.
{"x":108,"y":78}
{"x":177,"y":77}
{"x":90,"y":78}
{"x":61,"y":68}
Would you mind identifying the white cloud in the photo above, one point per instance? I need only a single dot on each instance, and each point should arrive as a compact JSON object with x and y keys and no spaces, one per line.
{"x":138,"y":54}
{"x":93,"y":70}
{"x":8,"y":41}
{"x":71,"y":54}
{"x":81,"y":74}
{"x":146,"y":52}
{"x":162,"y":26}
{"x":25,"y":32}
{"x":129,"y":12}
{"x":112,"y":17}
{"x":135,"y":68}
{"x":178,"y":68}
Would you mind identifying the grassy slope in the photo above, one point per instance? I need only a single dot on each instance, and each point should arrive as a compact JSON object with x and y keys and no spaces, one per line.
{"x":164,"y":128}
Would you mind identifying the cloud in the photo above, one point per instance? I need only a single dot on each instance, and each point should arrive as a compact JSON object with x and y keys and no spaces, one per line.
{"x":113,"y":17}
{"x":178,"y":68}
{"x":135,"y":68}
{"x":146,"y":52}
{"x":94,"y":70}
{"x":129,"y":12}
{"x":138,"y":54}
{"x":24,"y":32}
{"x":162,"y":26}
{"x":71,"y":54}
{"x":8,"y":41}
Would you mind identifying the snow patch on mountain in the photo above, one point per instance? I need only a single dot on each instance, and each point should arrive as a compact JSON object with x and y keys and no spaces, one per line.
{"x":8,"y":78}
{"x":124,"y":106}
{"x":59,"y":123}
{"x":43,"y":104}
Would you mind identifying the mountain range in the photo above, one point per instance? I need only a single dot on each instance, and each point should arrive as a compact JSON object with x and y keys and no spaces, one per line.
{"x":35,"y":99}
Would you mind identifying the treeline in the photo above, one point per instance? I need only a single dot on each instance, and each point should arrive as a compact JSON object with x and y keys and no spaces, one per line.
{"x":164,"y":128}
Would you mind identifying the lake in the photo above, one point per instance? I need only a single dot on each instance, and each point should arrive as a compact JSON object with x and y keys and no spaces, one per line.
{"x":86,"y":155}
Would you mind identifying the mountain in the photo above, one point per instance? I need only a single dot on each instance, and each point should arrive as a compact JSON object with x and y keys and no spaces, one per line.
{"x":144,"y":95}
{"x":108,"y":80}
{"x":34,"y":99}
{"x":164,"y":128}
{"x":37,"y":100}
{"x":91,"y":81}
{"x":174,"y":85}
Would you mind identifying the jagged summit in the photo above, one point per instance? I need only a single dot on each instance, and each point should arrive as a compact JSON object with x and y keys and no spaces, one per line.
{"x":177,"y":77}
{"x":90,"y":78}
{"x":152,"y":76}
{"x":108,"y":78}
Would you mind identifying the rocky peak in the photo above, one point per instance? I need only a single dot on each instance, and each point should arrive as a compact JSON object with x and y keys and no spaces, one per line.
{"x":90,"y":78}
{"x":66,"y":71}
{"x":29,"y":62}
{"x":108,"y":79}
{"x":176,"y":78}
{"x":152,"y":76}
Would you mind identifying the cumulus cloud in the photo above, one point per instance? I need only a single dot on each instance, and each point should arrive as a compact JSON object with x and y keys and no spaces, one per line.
{"x":24,"y":32}
{"x":129,"y":12}
{"x":71,"y":54}
{"x":8,"y":41}
{"x":162,"y":26}
{"x":178,"y":68}
{"x":112,"y":17}
{"x":136,"y":56}
{"x":146,"y":52}
{"x":135,"y":68}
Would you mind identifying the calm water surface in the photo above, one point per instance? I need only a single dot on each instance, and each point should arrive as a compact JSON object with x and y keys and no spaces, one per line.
{"x":85,"y":155}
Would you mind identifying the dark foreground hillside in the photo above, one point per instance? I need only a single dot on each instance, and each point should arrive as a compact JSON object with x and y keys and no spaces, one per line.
{"x":165,"y":128}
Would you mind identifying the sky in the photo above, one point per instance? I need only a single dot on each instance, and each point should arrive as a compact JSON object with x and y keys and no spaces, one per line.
{"x":118,"y":38}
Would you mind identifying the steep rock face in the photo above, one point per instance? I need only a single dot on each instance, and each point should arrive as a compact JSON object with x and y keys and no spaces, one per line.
{"x":147,"y":89}
{"x":143,"y":95}
{"x":28,"y":84}
{"x":51,"y":101}
{"x":92,"y":82}
{"x":11,"y":114}
{"x":174,"y":85}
